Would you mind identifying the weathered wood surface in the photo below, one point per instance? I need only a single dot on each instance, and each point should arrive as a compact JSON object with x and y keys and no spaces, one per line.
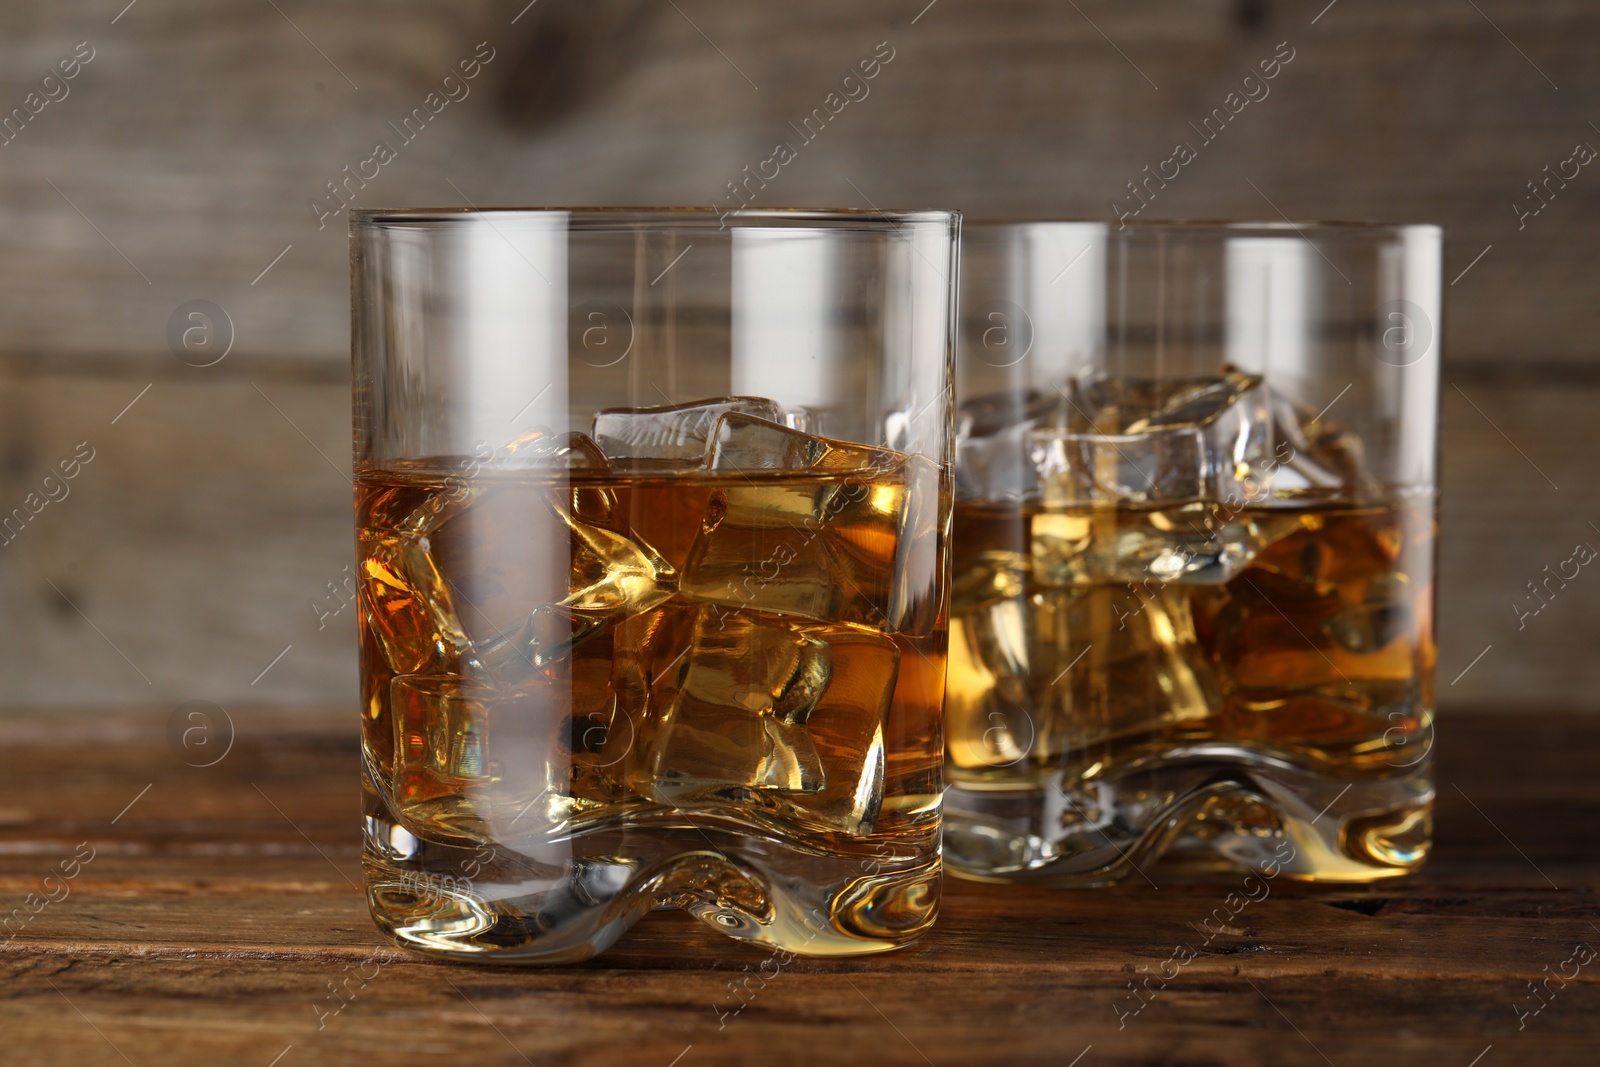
{"x":220,"y":904}
{"x":180,"y":163}
{"x":196,"y":136}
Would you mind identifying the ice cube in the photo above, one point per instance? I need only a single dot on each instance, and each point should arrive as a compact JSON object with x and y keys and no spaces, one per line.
{"x":603,"y":731}
{"x":1197,"y":542}
{"x":781,"y":715}
{"x":536,"y":449}
{"x":1201,"y":437}
{"x":509,"y":577}
{"x":986,"y":577}
{"x":988,"y":700}
{"x":407,"y":604}
{"x":993,"y":439}
{"x":502,"y":555}
{"x":531,"y":647}
{"x":918,"y":568}
{"x":674,"y":434}
{"x":1131,"y":405}
{"x":745,"y":442}
{"x":405,"y":601}
{"x":1383,"y":613}
{"x":1142,"y":667}
{"x":1049,"y":676}
{"x":613,"y":574}
{"x":646,"y":653}
{"x":1151,"y":480}
{"x":997,"y":466}
{"x":413,"y":606}
{"x":1085,"y":468}
{"x":911,"y":486}
{"x":990,"y":413}
{"x":537,"y":593}
{"x":1240,"y":441}
{"x":1316,"y":456}
{"x":469,"y":758}
{"x":821,"y":543}
{"x":738,"y":717}
{"x":545,"y":449}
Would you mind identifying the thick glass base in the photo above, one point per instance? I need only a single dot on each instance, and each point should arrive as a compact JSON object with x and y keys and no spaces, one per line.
{"x":562,"y":900}
{"x":1206,"y":806}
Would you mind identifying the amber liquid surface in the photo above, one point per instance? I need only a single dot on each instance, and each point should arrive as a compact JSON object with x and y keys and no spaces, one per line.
{"x":587,"y":694}
{"x":1100,"y":717}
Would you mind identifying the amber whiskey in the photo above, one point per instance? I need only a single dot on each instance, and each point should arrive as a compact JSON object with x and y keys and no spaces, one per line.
{"x":1188,"y":622}
{"x":595,"y":688}
{"x":1100,"y":716}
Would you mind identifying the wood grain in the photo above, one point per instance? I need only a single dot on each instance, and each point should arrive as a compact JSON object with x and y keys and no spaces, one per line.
{"x":180,"y":165}
{"x":209,"y":924}
{"x":197,"y":135}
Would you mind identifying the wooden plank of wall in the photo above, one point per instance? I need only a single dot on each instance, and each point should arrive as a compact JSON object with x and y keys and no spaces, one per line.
{"x":181,"y":162}
{"x":185,"y":554}
{"x":188,"y":551}
{"x":197,"y":135}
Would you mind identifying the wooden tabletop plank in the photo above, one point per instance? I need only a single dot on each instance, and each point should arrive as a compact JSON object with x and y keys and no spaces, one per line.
{"x":248,"y":1010}
{"x":222,"y":901}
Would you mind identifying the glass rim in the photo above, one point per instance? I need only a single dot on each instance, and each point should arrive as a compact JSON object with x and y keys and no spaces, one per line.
{"x":1311,"y":227}
{"x":671,"y":218}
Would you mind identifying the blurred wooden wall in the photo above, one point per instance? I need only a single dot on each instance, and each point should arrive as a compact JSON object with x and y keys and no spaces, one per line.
{"x":179,"y":164}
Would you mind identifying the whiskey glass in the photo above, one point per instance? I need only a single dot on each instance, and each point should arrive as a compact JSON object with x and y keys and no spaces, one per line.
{"x":651,"y":511}
{"x":1193,"y":550}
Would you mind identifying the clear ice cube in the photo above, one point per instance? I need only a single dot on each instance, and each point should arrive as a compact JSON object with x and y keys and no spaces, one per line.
{"x":503,"y":554}
{"x":1150,"y":479}
{"x":424,"y":619}
{"x":1101,"y":435}
{"x":409,"y":606}
{"x":532,"y":646}
{"x":473,"y":759}
{"x":1208,"y":437}
{"x":986,"y":577}
{"x":1031,"y":684}
{"x":822,"y":545}
{"x":676,"y":434}
{"x":990,"y":413}
{"x":988,"y":700}
{"x":1131,"y":405}
{"x":787,"y":716}
{"x":1317,"y":456}
{"x":544,"y":449}
{"x":613,"y":574}
{"x":909,"y":489}
{"x":532,"y":578}
{"x":919,"y":563}
{"x":740,"y":441}
{"x":993,"y":442}
{"x":1196,"y":542}
{"x":997,"y":466}
{"x":405,"y":599}
{"x":1087,"y":468}
{"x":500,"y":578}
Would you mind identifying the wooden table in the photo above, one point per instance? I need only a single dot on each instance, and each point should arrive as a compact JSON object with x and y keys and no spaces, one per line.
{"x":222,"y":902}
